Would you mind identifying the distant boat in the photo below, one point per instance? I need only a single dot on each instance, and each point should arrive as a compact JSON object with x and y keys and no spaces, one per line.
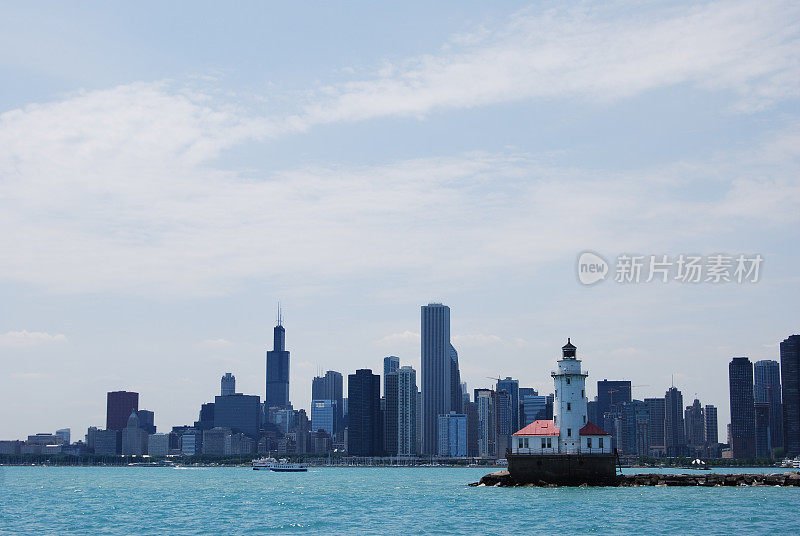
{"x":279,"y":466}
{"x":700,"y":464}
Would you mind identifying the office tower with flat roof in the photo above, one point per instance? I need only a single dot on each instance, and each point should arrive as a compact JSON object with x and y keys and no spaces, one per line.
{"x":453,"y":435}
{"x":790,"y":386}
{"x":767,"y":388}
{"x":391,"y":413}
{"x":241,"y":413}
{"x":674,"y":433}
{"x":406,"y":411}
{"x":329,"y":387}
{"x":64,"y":434}
{"x":158,"y":445}
{"x":107,"y":442}
{"x":610,"y":392}
{"x":511,"y":386}
{"x":656,"y":409}
{"x":485,"y":401}
{"x":323,"y":416}
{"x":534,"y":408}
{"x":762,"y":436}
{"x":227,"y":384}
{"x":710,"y":427}
{"x":206,"y":420}
{"x":743,"y":420}
{"x":119,"y":405}
{"x":147,"y":420}
{"x":440,"y":376}
{"x":390,"y":364}
{"x":278,"y":369}
{"x":471,"y":411}
{"x":134,"y":439}
{"x":364,"y":434}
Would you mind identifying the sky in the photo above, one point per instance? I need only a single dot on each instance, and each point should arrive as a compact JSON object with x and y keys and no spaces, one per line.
{"x":170,"y":171}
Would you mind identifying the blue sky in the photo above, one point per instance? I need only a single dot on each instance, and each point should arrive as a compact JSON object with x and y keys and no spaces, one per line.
{"x":169,"y":172}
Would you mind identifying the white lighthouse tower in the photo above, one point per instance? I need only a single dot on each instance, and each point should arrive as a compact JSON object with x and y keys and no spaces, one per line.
{"x":569,"y":403}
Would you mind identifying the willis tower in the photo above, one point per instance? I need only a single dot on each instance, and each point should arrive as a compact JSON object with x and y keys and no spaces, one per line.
{"x":278,"y":369}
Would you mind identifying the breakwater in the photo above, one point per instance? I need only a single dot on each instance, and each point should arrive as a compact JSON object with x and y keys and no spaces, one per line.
{"x":504,"y":479}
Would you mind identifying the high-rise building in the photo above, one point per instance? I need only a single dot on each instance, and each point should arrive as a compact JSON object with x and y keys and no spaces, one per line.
{"x":147,"y":420}
{"x":217,"y":441}
{"x":485,"y":401}
{"x":674,"y":436}
{"x":471,"y":411}
{"x":158,"y":445}
{"x":656,"y":409}
{"x":610,"y":392}
{"x":391,"y":413}
{"x":134,"y":439}
{"x":743,"y":420}
{"x":631,"y":427}
{"x":505,"y":426}
{"x":440,"y":377}
{"x":329,"y":387}
{"x":191,"y":442}
{"x":364,"y":414}
{"x":206,"y":421}
{"x":119,"y":405}
{"x":767,"y":388}
{"x":278,"y":370}
{"x":762,"y":435}
{"x":241,"y":413}
{"x":710,"y":427}
{"x":790,"y":384}
{"x":453,"y":435}
{"x":107,"y":442}
{"x":390,"y":364}
{"x":323,"y":416}
{"x":694,"y":428}
{"x":534,"y":407}
{"x":227,"y":384}
{"x":64,"y":434}
{"x":406,"y":411}
{"x":511,"y":386}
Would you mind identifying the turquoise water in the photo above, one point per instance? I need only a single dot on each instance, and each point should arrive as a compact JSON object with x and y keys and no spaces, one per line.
{"x":341,"y":501}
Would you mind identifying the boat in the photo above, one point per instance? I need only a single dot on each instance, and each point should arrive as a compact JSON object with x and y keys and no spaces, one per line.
{"x":279,"y":466}
{"x":700,"y":464}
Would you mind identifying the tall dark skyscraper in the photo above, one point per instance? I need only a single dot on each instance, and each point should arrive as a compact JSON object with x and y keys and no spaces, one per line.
{"x":329,"y":387}
{"x":656,"y":408}
{"x":278,"y":370}
{"x":512,"y":388}
{"x":441,"y":382}
{"x":674,"y":436}
{"x":227,"y":384}
{"x":390,"y":420}
{"x":767,"y":389}
{"x":611,"y":392}
{"x":390,"y":364}
{"x":710,"y":426}
{"x":364,"y":437}
{"x":790,"y":380}
{"x":241,"y":413}
{"x":694,"y":426}
{"x":762,"y":436}
{"x":119,"y":406}
{"x":743,"y":419}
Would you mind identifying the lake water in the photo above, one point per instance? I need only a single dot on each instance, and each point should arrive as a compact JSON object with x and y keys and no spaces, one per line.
{"x":343,"y":501}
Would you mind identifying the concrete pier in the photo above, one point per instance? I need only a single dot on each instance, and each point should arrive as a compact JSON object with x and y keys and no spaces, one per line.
{"x":504,"y":479}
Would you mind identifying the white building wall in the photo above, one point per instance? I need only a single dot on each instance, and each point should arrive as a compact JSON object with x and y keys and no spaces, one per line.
{"x":534,"y":444}
{"x":570,"y":403}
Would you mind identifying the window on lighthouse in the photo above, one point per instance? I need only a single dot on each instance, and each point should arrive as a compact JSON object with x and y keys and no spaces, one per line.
{"x":567,"y":381}
{"x":569,"y":432}
{"x":569,"y":406}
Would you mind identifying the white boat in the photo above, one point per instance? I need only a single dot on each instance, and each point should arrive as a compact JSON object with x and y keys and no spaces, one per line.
{"x":280,"y":466}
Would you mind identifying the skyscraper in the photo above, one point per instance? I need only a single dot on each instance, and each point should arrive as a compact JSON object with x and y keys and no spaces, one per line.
{"x":743,"y":420}
{"x":485,"y":401}
{"x":694,"y":425}
{"x":323,"y":416}
{"x":241,"y":413}
{"x":329,"y":387}
{"x":656,"y":407}
{"x":440,"y":377}
{"x":390,"y":364}
{"x":710,"y":427}
{"x":790,"y":380}
{"x":406,"y":411}
{"x":119,"y":405}
{"x":227,"y":384}
{"x":364,"y":414}
{"x":512,"y":388}
{"x":611,"y":392}
{"x":767,"y":388}
{"x":674,"y":437}
{"x":278,"y":370}
{"x":390,"y":420}
{"x":762,"y":436}
{"x":453,"y":435}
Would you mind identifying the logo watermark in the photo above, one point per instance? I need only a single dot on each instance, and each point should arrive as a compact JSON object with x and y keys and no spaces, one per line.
{"x":718,"y":268}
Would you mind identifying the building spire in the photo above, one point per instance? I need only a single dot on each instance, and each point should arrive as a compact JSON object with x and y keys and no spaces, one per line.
{"x":280,"y":314}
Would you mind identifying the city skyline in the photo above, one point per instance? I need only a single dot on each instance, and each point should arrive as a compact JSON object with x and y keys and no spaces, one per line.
{"x":170,"y":173}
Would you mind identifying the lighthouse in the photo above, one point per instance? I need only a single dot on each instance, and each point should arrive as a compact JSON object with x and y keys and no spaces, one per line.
{"x":569,"y":401}
{"x":567,"y":449}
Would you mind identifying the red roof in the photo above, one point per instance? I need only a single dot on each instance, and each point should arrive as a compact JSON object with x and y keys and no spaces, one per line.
{"x":592,"y":429}
{"x":539,"y":428}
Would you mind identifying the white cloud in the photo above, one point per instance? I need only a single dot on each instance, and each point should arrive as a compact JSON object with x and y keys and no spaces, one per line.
{"x":588,"y":51}
{"x":474,"y":339}
{"x":216,"y":343}
{"x":24,"y":338}
{"x":404,"y":337}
